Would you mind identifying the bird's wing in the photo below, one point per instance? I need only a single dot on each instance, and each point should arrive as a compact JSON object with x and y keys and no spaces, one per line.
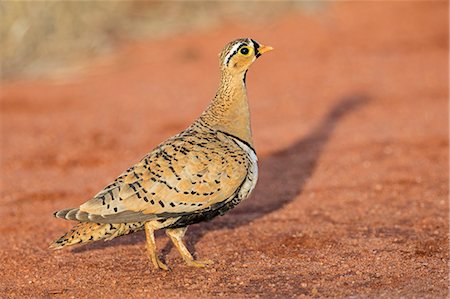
{"x":185,"y":174}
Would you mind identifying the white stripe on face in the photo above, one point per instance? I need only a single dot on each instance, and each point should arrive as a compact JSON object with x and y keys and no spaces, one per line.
{"x":251,"y":43}
{"x":232,"y":50}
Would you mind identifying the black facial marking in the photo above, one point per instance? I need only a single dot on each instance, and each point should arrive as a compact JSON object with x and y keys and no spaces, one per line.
{"x":257,"y":46}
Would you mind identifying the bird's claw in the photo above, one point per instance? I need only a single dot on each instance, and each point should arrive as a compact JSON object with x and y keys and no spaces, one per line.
{"x":158,"y":264}
{"x":199,"y":264}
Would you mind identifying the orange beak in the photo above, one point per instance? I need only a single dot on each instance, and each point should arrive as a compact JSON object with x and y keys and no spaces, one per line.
{"x":263,"y":49}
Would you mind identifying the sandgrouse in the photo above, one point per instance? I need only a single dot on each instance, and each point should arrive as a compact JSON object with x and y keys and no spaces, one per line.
{"x":194,"y":176}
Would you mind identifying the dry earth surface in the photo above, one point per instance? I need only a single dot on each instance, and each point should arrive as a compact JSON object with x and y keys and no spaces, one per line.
{"x":350,"y":120}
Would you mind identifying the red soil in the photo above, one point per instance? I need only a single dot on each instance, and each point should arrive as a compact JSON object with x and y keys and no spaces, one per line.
{"x":351,"y":126}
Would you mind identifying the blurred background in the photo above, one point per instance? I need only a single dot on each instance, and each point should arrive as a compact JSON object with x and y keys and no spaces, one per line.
{"x":350,"y":123}
{"x":45,"y":37}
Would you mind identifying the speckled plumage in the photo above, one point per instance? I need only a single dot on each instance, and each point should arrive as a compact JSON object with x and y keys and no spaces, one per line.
{"x":194,"y":176}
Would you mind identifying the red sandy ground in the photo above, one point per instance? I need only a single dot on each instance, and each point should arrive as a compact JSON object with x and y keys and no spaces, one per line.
{"x":350,"y":123}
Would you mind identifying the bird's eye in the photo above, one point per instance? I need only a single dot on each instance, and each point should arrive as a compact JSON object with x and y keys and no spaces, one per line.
{"x":244,"y":51}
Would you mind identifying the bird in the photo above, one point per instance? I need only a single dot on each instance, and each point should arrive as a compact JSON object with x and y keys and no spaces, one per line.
{"x":194,"y":176}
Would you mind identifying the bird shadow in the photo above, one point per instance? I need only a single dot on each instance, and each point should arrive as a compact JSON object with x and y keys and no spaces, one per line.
{"x":283,"y":174}
{"x":282,"y":177}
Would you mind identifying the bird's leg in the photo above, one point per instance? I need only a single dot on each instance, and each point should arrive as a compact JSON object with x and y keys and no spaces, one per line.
{"x":151,"y":248}
{"x":176,"y":235}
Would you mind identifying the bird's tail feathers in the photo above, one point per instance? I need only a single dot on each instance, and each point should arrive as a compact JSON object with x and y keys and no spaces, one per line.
{"x":86,"y":232}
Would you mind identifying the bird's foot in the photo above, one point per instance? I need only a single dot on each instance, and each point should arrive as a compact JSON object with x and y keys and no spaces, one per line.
{"x":199,"y":264}
{"x":158,"y":264}
{"x":176,"y":236}
{"x":151,"y":248}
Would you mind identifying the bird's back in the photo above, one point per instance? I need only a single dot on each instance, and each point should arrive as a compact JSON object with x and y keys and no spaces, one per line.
{"x":195,"y":172}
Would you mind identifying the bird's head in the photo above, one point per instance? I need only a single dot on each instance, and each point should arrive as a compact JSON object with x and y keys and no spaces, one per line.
{"x":238,"y":55}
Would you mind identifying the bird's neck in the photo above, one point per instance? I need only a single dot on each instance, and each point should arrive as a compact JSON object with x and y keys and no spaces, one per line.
{"x":229,"y":110}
